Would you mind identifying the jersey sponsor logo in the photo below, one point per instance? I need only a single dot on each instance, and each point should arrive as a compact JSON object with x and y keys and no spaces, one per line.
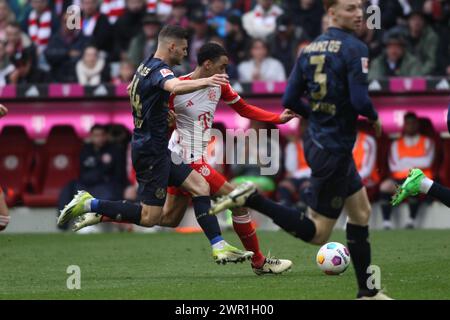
{"x":166,"y":72}
{"x":365,"y":65}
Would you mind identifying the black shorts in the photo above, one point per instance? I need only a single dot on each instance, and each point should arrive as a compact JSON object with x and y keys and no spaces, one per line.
{"x":333,"y":178}
{"x":154,"y":173}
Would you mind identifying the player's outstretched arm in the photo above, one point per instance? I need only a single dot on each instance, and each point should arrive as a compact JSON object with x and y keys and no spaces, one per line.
{"x":177,"y":86}
{"x":3,"y":110}
{"x":255,"y":113}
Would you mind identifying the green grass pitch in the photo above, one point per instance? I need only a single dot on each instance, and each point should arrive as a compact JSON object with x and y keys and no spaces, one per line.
{"x":414,"y":265}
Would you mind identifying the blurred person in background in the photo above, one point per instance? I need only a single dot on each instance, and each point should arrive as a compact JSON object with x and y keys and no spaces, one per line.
{"x":96,"y":27}
{"x":260,"y":66}
{"x":261,"y":21}
{"x":17,"y":42}
{"x":4,"y":214}
{"x":6,"y":17}
{"x":64,"y":51}
{"x":144,"y":44}
{"x":290,"y":191}
{"x":423,"y":42}
{"x":126,"y":72}
{"x":237,"y":40}
{"x":102,"y":169}
{"x":128,"y":25}
{"x":27,"y":71}
{"x":217,"y":16}
{"x":284,"y":42}
{"x":201,"y":33}
{"x":6,"y":67}
{"x":92,"y":69}
{"x":411,"y":150}
{"x":396,"y":60}
{"x":307,"y":16}
{"x":178,"y":15}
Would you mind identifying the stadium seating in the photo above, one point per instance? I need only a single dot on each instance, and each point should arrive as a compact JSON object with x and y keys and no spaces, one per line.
{"x":15,"y":162}
{"x":57,"y":162}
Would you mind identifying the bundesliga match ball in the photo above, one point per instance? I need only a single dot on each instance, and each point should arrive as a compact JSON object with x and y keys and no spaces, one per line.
{"x":333,"y":258}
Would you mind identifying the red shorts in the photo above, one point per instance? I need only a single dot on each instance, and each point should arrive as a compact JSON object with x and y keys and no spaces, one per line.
{"x":214,"y":178}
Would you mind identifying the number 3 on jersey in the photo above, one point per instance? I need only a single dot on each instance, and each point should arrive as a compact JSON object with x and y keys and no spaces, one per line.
{"x":136,"y":103}
{"x":319,"y":77}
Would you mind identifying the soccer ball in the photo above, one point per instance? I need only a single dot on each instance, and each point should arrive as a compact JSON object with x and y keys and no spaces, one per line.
{"x":333,"y":258}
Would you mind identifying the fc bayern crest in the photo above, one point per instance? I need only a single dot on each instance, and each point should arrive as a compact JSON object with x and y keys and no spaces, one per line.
{"x":212,"y":94}
{"x":204,"y":171}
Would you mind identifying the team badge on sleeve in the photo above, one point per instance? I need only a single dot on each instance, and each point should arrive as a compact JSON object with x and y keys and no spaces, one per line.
{"x":166,"y":72}
{"x":365,"y":65}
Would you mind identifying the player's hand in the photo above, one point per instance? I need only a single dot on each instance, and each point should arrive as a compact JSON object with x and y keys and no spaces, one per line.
{"x":378,"y":127}
{"x":287,"y":115}
{"x":171,"y":118}
{"x":217,"y":80}
{"x":3,"y":110}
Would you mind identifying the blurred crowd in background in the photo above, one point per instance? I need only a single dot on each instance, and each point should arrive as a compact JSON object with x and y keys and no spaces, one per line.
{"x":263,"y":37}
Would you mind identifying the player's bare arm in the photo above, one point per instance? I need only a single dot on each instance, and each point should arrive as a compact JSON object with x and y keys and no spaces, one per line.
{"x":177,"y":86}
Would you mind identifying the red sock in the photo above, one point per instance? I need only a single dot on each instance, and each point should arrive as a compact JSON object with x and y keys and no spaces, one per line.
{"x":247,"y":233}
{"x":108,"y":219}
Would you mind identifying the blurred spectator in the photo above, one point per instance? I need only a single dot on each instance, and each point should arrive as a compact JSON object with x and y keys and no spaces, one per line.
{"x":178,"y":16}
{"x":396,"y":61}
{"x":237,"y":40}
{"x":126,"y":72}
{"x":6,"y":67}
{"x":41,"y":23}
{"x":307,"y":15}
{"x":113,"y":9}
{"x":365,"y":156}
{"x":92,"y":69}
{"x":17,"y":43}
{"x":423,"y":42}
{"x":102,"y":169}
{"x":243,"y":6}
{"x":128,"y":25}
{"x":411,"y":150}
{"x":261,"y":21}
{"x":6,"y":17}
{"x":284,"y":43}
{"x":96,"y":27}
{"x":291,"y":189}
{"x":261,"y":67}
{"x":217,"y":16}
{"x":27,"y":71}
{"x":201,"y":34}
{"x":144,"y":44}
{"x":63,"y":52}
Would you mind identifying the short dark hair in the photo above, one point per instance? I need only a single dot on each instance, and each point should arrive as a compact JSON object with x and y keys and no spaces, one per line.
{"x":173,"y":32}
{"x":98,"y":126}
{"x":210,"y":51}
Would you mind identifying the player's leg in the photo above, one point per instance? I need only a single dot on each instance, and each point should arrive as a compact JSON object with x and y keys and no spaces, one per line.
{"x":246,"y":231}
{"x":152,"y":173}
{"x":417,"y":183}
{"x":4,"y":214}
{"x":359,"y":210}
{"x":174,"y":208}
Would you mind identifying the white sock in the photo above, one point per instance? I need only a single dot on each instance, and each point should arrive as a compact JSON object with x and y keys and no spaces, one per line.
{"x":425,"y":185}
{"x":219,"y":245}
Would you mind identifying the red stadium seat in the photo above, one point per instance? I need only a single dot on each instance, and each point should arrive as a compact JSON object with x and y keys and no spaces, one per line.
{"x":15,"y":162}
{"x":57,"y":163}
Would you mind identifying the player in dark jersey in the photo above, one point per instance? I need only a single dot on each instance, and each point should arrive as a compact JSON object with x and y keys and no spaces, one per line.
{"x":156,"y":167}
{"x":4,"y":215}
{"x":417,"y":182}
{"x":332,"y":73}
